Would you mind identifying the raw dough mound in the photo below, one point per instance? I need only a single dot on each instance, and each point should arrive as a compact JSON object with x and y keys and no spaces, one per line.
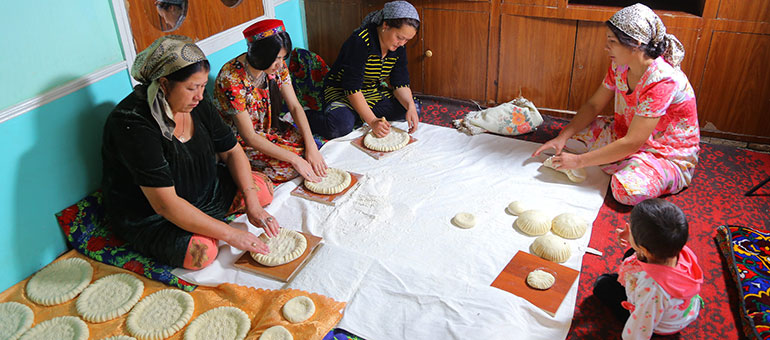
{"x":569,"y":225}
{"x":59,"y":282}
{"x":464,"y":220}
{"x":298,"y":309}
{"x":60,"y":328}
{"x":534,"y":222}
{"x":287,"y":246}
{"x":540,"y":279}
{"x":335,"y":181}
{"x":15,"y":319}
{"x":276,"y":333}
{"x":575,"y":175}
{"x":516,"y":208}
{"x":551,"y":248}
{"x":120,"y":337}
{"x":109,"y":297}
{"x":160,"y":314}
{"x":219,"y":323}
{"x":393,"y":141}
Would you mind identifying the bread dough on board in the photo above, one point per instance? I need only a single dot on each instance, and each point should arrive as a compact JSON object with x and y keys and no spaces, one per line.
{"x":335,"y":181}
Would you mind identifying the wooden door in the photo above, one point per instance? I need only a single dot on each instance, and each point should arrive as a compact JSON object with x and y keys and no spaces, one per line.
{"x":458,"y":42}
{"x":203,"y":19}
{"x":536,"y":58}
{"x":735,"y":89}
{"x":329,"y":24}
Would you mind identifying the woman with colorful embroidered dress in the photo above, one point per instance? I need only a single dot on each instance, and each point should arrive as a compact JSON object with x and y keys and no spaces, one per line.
{"x":248,"y":94}
{"x":353,"y":89}
{"x":650,"y":145}
{"x":165,"y":192}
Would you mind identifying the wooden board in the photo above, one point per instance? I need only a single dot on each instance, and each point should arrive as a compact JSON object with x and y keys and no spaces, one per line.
{"x":359,"y":143}
{"x":513,"y":279}
{"x":302,"y":191}
{"x":283,"y":272}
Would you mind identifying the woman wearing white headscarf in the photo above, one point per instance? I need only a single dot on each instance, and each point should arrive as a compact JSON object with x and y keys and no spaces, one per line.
{"x":353,"y":88}
{"x":650,"y":145}
{"x":165,"y":190}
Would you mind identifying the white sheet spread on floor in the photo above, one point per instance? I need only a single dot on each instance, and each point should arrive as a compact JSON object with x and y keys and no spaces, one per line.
{"x":392,"y":253}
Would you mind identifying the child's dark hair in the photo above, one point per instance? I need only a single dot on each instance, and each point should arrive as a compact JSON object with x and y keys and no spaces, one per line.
{"x":184,"y":73}
{"x":651,"y":50}
{"x":660,"y":227}
{"x":262,"y":53}
{"x":397,"y":23}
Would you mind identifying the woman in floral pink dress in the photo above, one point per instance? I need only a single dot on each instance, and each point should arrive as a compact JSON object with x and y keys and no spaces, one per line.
{"x":248,"y":93}
{"x":650,"y":146}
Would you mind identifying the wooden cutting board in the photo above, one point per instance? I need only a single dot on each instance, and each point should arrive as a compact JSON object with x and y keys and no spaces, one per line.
{"x":302,"y":191}
{"x":513,"y":279}
{"x":359,"y":143}
{"x":283,"y":272}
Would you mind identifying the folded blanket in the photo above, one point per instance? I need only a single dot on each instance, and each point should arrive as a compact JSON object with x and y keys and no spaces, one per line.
{"x":515,"y":117}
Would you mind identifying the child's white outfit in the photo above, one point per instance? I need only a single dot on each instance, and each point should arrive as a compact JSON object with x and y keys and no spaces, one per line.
{"x":662,"y":299}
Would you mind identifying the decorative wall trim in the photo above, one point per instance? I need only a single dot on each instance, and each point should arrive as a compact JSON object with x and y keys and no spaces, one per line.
{"x":61,"y":91}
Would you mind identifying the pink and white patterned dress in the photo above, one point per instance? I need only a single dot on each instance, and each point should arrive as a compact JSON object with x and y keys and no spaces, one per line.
{"x":662,"y":300}
{"x":666,"y":162}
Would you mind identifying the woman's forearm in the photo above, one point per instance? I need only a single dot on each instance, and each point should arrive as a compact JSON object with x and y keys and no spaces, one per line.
{"x":240,"y":170}
{"x":184,"y":215}
{"x":404,"y":96}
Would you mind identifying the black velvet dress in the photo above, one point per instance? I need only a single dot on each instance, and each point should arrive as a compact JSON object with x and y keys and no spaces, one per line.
{"x":134,"y":154}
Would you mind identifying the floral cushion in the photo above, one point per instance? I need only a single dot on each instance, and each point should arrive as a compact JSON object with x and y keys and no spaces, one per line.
{"x":747,"y":252}
{"x":84,"y":225}
{"x":307,"y":71}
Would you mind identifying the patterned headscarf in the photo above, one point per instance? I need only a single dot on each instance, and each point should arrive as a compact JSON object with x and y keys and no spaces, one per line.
{"x":642,"y":24}
{"x":391,"y":10}
{"x":165,"y":56}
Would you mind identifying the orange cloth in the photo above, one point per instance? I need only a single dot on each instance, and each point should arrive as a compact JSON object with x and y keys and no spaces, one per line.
{"x":262,"y":306}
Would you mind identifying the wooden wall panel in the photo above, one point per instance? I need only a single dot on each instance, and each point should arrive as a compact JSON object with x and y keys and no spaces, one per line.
{"x":329,"y":24}
{"x":549,"y":3}
{"x":735,"y":88}
{"x":536,"y":57}
{"x":591,"y":64}
{"x":746,"y":10}
{"x":459,"y":42}
{"x":204,"y":19}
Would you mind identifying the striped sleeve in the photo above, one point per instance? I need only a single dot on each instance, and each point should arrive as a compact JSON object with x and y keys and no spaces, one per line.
{"x":354,"y":51}
{"x":399,"y":76}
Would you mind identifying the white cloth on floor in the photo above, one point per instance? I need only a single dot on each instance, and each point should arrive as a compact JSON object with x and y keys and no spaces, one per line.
{"x":407,"y":271}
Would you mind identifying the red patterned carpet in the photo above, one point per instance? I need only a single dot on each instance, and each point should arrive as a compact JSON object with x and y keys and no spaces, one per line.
{"x":715,"y":198}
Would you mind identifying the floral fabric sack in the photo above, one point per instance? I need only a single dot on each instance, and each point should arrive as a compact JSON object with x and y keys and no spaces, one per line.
{"x":513,"y":118}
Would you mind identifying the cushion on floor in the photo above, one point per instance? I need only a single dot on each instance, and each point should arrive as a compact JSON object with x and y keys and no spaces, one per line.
{"x":747,"y":252}
{"x":84,"y":225}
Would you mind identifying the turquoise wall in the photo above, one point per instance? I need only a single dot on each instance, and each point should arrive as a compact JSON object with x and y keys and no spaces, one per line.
{"x":50,"y":156}
{"x":42,"y":47}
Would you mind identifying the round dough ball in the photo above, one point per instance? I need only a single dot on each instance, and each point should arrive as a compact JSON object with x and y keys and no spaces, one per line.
{"x":533,"y":222}
{"x":464,"y":220}
{"x":569,"y":225}
{"x":551,"y":248}
{"x":276,"y":333}
{"x":516,"y":208}
{"x":298,"y":309}
{"x":540,"y":279}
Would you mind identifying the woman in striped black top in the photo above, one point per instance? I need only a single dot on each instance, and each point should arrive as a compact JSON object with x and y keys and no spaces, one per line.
{"x":355,"y":89}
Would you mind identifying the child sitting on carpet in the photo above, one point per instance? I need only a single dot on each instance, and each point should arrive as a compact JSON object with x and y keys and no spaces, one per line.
{"x":656,"y":290}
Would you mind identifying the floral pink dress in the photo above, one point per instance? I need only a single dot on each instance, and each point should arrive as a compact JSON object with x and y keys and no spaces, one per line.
{"x":666,"y":162}
{"x":235,"y":92}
